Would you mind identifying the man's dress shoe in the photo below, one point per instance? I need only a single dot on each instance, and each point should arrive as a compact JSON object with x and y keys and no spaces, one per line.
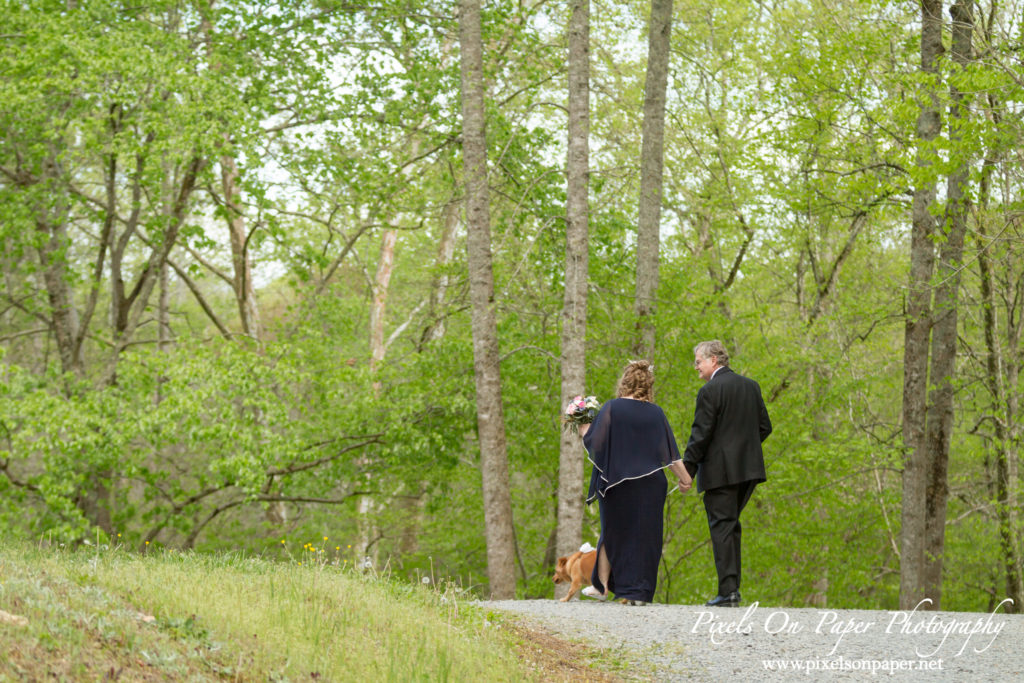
{"x":730,"y":600}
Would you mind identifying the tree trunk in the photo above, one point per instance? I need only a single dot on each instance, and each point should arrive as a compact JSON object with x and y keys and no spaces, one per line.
{"x":382,"y":282}
{"x":1008,"y":486}
{"x":445,"y":251}
{"x":128,"y":309}
{"x":1004,"y":403}
{"x":163,"y":315}
{"x":486,"y":368}
{"x":651,"y":174}
{"x":939,"y":428}
{"x":164,"y":334}
{"x":569,"y":524}
{"x":1003,"y":419}
{"x":917,"y":331}
{"x":241,"y":281}
{"x":93,"y":496}
{"x":367,"y":531}
{"x":245,"y":295}
{"x":63,"y":317}
{"x":53,"y":250}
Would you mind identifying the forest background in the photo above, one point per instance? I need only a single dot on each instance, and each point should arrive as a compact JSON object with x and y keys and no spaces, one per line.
{"x":236,"y":304}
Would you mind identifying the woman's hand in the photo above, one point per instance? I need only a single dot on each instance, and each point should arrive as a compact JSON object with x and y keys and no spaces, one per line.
{"x":685,"y":482}
{"x":582,"y":429}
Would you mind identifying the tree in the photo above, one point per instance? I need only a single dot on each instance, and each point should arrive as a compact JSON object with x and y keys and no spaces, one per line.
{"x":999,"y":298}
{"x":944,"y":342}
{"x":648,"y":229}
{"x":486,"y":367}
{"x":574,"y":306}
{"x":929,"y":391}
{"x":918,"y":323}
{"x":233,"y":208}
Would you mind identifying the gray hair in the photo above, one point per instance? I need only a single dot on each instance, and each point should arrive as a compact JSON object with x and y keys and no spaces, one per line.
{"x":712,"y":349}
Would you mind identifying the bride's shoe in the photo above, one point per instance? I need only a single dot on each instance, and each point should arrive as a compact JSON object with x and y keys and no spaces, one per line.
{"x":592,"y":592}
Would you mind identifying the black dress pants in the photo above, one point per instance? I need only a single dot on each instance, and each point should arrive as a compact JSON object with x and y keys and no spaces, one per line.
{"x":723,"y":506}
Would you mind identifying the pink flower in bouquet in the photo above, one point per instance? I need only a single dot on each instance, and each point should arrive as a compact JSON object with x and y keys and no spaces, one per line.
{"x":575,"y":405}
{"x":581,"y":410}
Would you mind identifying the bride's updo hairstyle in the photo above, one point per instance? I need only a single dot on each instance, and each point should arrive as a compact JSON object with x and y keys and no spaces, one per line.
{"x":637,"y":380}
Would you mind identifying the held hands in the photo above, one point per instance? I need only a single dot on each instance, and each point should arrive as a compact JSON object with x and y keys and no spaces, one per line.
{"x":685,"y":482}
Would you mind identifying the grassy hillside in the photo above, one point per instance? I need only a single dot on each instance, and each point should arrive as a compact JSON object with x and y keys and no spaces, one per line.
{"x":99,"y":613}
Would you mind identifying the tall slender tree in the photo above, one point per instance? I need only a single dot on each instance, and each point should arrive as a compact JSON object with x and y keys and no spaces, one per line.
{"x":486,"y":366}
{"x":233,"y":208}
{"x":1001,"y":372}
{"x":939,"y":430}
{"x":648,"y":237}
{"x":241,"y":281}
{"x":918,"y":323}
{"x":574,"y":302}
{"x":1002,"y":324}
{"x":928,"y":418}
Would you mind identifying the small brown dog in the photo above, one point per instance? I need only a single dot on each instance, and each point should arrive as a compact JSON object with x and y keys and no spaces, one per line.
{"x":576,"y":569}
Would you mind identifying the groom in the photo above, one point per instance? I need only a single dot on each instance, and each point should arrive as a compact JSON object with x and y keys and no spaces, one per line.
{"x":724,"y":451}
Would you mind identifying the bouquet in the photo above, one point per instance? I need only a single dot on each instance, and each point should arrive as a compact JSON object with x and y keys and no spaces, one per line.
{"x":580,"y":411}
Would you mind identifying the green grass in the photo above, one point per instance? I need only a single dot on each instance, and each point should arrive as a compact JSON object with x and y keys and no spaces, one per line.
{"x":93,"y":614}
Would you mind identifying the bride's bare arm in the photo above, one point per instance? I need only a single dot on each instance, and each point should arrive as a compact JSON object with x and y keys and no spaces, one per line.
{"x":685,"y":480}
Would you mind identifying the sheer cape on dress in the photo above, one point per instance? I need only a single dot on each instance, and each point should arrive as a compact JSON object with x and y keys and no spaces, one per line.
{"x":628,"y":439}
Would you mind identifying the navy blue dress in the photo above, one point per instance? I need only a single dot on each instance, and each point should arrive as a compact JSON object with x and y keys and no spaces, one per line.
{"x":630,"y":443}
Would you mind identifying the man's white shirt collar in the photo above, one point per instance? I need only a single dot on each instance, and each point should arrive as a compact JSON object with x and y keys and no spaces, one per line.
{"x":716,"y":372}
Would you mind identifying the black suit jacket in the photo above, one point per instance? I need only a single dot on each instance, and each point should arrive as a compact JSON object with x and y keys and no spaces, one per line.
{"x":729,"y":424}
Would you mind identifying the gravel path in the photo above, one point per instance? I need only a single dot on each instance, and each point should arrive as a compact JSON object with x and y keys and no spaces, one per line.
{"x":756,"y":643}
